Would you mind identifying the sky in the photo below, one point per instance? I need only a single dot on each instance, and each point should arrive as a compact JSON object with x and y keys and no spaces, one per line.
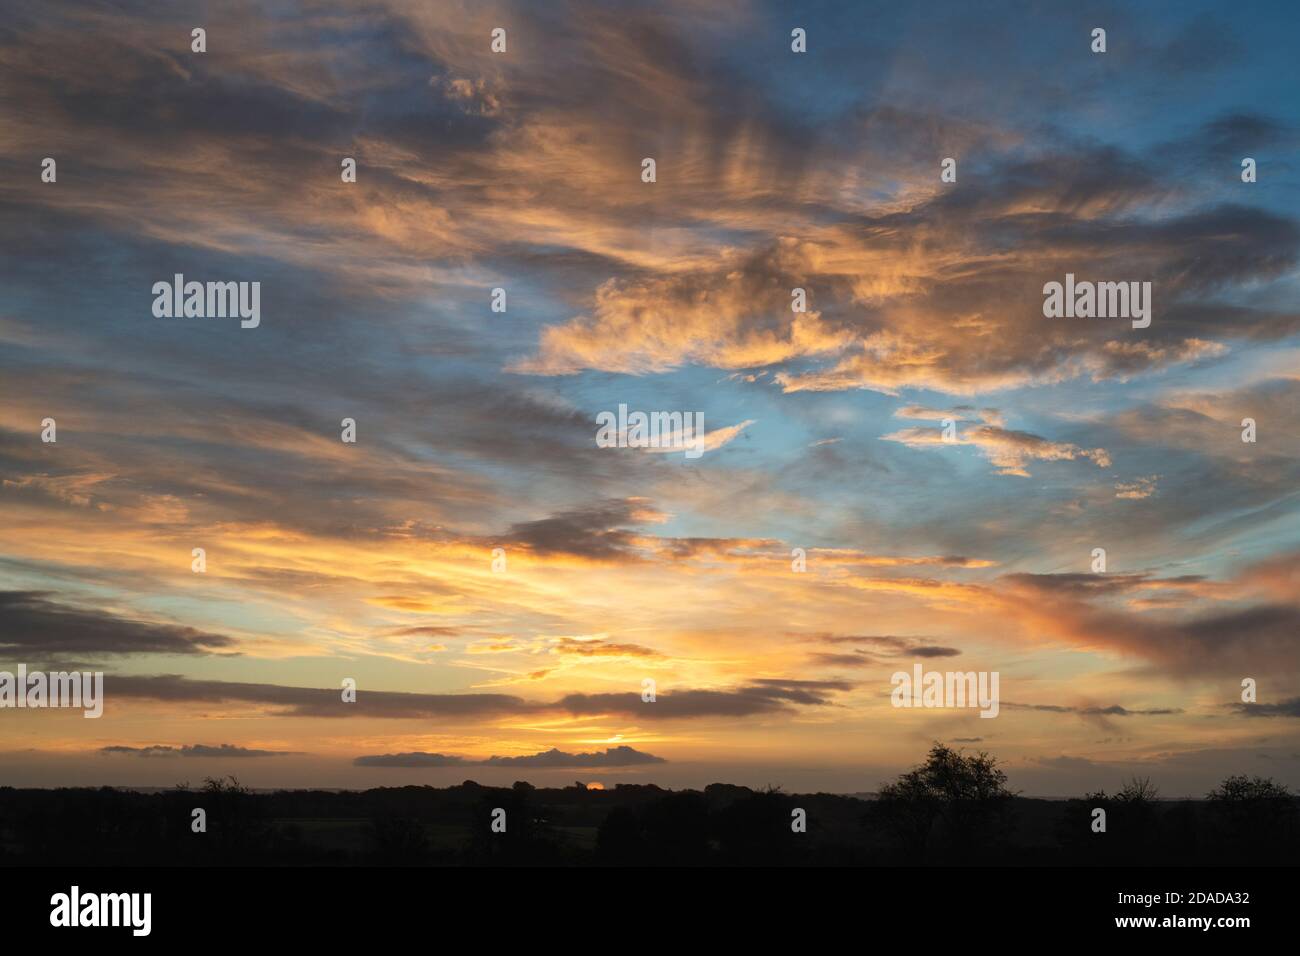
{"x":497,"y":583}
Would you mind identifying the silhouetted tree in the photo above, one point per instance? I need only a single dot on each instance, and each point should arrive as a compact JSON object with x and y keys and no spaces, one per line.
{"x":676,"y":829}
{"x":1132,"y":822}
{"x":754,"y":830}
{"x":950,"y":809}
{"x":1257,"y":816}
{"x":234,"y":828}
{"x":959,"y":802}
{"x":528,"y":837}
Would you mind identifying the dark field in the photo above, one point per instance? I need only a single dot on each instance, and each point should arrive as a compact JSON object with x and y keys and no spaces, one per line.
{"x":628,"y":825}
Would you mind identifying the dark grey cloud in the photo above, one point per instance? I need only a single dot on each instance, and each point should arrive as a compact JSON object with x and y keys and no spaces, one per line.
{"x":598,"y":532}
{"x":1114,"y":710}
{"x":195,"y":750}
{"x":764,"y":696}
{"x":621,"y":756}
{"x":879,"y":648}
{"x":855,"y":659}
{"x":1095,"y":715}
{"x":1091,"y":585}
{"x":1249,"y":635}
{"x":316,"y":702}
{"x":1224,"y":140}
{"x":1289,"y":707}
{"x":934,"y":651}
{"x":553,"y":759}
{"x":31,"y":623}
{"x":1264,"y":635}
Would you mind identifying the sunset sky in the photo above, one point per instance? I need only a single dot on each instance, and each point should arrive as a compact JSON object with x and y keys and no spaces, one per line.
{"x":476,"y":429}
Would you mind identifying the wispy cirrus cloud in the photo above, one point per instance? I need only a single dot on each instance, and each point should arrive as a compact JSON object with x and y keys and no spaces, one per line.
{"x":1010,"y":451}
